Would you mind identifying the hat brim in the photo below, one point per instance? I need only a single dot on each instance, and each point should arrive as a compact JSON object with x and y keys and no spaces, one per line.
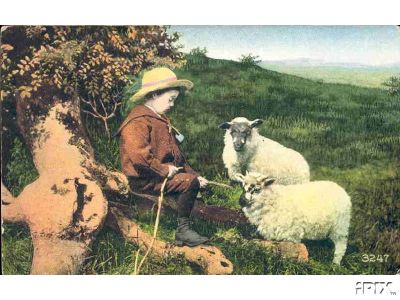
{"x":187,"y":84}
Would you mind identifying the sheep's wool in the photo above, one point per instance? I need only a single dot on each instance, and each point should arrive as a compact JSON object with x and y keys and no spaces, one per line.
{"x":314,"y":210}
{"x":267,"y":157}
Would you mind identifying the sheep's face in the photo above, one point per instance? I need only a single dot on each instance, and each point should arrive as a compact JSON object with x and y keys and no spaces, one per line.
{"x":240,"y":130}
{"x":240,"y":133}
{"x":253,"y":184}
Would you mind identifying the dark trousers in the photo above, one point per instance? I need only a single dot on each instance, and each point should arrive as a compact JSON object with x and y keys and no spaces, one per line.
{"x":183,"y":186}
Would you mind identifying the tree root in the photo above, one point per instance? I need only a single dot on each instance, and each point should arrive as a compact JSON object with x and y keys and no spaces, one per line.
{"x":209,"y":258}
{"x":289,"y":250}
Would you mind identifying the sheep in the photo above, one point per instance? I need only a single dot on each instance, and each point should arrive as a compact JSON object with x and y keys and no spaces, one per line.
{"x":246,"y":150}
{"x":312,"y":211}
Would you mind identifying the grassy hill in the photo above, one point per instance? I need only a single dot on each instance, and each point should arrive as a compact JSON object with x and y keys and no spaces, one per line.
{"x":348,"y":134}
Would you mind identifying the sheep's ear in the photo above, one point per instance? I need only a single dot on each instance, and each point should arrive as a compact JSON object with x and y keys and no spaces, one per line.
{"x":268,"y":181}
{"x":262,"y":178}
{"x":247,"y":172}
{"x":225,"y":125}
{"x":241,"y":178}
{"x":256,"y":123}
{"x":239,"y":175}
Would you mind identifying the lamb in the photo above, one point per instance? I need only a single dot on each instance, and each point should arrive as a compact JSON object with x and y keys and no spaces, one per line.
{"x":246,"y":150}
{"x":313,"y":210}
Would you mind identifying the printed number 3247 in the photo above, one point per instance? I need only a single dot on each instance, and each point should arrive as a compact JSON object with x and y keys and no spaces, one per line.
{"x":375,"y":258}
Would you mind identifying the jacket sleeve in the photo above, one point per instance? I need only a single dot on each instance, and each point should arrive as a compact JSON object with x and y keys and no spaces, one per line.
{"x":189,"y":169}
{"x":136,"y":139}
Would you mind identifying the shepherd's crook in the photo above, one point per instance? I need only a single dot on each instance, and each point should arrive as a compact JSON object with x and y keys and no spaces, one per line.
{"x":157,"y":222}
{"x":160,"y":200}
{"x":220,"y":184}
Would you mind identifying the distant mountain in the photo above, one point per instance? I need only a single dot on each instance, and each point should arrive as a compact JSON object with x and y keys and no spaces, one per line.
{"x":308,"y":62}
{"x":392,"y":65}
{"x":297,"y":62}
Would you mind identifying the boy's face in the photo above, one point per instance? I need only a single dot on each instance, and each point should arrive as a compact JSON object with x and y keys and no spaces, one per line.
{"x":165,"y":101}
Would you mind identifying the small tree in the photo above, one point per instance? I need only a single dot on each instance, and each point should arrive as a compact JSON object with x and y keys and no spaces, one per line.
{"x":393,"y":85}
{"x":197,"y":56}
{"x":249,"y":60}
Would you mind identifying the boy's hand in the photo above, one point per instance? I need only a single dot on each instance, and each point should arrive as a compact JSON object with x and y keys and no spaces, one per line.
{"x":172,"y":171}
{"x":203,"y":182}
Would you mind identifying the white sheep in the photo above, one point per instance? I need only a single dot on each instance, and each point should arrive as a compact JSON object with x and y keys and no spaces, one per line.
{"x":246,"y":150}
{"x":313,"y":211}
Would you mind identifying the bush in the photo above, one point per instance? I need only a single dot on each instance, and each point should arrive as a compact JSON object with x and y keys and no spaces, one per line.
{"x":249,"y":60}
{"x":199,"y":52}
{"x":393,"y":85}
{"x":197,"y":56}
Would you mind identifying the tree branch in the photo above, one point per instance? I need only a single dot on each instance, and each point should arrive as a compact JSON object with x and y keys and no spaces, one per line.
{"x":84,"y":100}
{"x":116,"y":104}
{"x":104,"y":109}
{"x":90,"y":113}
{"x":213,"y":213}
{"x":93,"y":106}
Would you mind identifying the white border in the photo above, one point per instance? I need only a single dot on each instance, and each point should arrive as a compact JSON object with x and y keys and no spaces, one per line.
{"x":189,"y":12}
{"x":193,"y":287}
{"x":205,"y":12}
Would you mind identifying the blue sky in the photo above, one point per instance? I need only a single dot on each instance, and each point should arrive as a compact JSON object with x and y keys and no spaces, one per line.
{"x":372,"y":45}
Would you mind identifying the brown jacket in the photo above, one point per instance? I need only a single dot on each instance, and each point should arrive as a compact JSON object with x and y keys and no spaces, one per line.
{"x":148,"y":145}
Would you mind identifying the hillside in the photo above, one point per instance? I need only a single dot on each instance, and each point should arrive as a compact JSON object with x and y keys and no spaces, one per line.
{"x":348,"y":134}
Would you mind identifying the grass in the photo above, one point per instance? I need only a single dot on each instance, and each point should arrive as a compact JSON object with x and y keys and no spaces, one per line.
{"x":348,"y":134}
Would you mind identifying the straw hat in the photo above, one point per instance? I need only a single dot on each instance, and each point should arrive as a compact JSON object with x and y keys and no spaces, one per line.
{"x":158,"y":79}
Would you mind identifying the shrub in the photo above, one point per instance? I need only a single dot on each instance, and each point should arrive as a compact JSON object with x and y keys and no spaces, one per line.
{"x":197,"y":56}
{"x":249,"y":60}
{"x":393,"y":85}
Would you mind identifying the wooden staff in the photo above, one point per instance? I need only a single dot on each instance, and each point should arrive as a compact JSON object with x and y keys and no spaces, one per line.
{"x":220,"y":184}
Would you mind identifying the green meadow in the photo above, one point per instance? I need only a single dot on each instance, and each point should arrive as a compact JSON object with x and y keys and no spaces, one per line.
{"x":348,"y":134}
{"x":368,"y":76}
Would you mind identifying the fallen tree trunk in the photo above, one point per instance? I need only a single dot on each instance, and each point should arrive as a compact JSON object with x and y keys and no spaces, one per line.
{"x":214,"y":213}
{"x":209,"y":258}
